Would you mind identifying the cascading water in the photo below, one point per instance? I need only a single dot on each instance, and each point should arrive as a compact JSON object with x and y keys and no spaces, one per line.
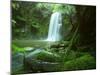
{"x":54,"y":27}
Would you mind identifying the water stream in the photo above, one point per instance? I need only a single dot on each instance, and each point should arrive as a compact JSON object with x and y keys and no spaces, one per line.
{"x":54,"y":27}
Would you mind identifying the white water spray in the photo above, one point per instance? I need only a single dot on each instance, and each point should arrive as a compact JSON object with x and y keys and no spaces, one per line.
{"x":54,"y":27}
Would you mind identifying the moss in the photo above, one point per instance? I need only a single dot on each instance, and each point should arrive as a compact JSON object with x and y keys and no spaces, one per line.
{"x":47,"y":56}
{"x":15,"y":48}
{"x":82,"y":63}
{"x":71,"y":55}
{"x":44,"y":56}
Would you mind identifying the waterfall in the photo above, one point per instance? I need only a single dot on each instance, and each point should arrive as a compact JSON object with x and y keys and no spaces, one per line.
{"x":54,"y":27}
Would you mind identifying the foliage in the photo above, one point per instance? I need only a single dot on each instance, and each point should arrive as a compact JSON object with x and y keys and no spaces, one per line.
{"x":81,"y":63}
{"x":31,"y":20}
{"x":17,"y":49}
{"x":15,"y":6}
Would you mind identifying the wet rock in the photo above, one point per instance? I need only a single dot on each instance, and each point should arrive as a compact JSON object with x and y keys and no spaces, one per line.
{"x":41,"y":66}
{"x":17,"y":63}
{"x":43,"y":55}
{"x":41,"y":61}
{"x":28,"y":49}
{"x":55,"y":46}
{"x":60,"y":45}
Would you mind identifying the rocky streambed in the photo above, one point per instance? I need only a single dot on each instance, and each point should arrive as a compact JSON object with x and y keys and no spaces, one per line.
{"x":35,"y":60}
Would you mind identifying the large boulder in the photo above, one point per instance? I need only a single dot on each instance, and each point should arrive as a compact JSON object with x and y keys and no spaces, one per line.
{"x":41,"y":61}
{"x":41,"y":66}
{"x":43,"y":55}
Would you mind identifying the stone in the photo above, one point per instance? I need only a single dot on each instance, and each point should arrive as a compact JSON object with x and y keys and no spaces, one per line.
{"x":17,"y":63}
{"x":29,"y":48}
{"x":42,"y":66}
{"x":41,"y":61}
{"x":42,"y":55}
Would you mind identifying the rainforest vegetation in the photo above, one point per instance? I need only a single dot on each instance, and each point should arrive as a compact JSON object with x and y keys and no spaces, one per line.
{"x":32,"y":53}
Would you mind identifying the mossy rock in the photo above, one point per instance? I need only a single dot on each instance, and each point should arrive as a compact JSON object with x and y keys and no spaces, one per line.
{"x":82,"y":63}
{"x":43,"y":55}
{"x":41,"y":66}
{"x":42,"y":61}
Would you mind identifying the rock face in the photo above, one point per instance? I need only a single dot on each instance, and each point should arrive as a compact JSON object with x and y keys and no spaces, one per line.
{"x":41,"y":61}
